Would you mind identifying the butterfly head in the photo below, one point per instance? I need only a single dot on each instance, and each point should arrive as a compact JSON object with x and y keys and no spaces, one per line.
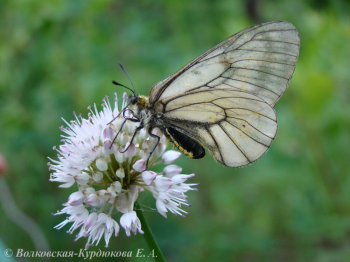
{"x":139,"y":101}
{"x":132,"y":99}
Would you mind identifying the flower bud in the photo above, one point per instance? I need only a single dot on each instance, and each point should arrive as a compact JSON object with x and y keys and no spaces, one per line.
{"x":90,"y":221}
{"x":82,"y":179}
{"x":120,"y":173}
{"x":140,"y":165}
{"x":129,"y":127}
{"x":131,"y":150}
{"x":120,"y":157}
{"x":145,"y":144}
{"x":108,"y":133}
{"x":143,"y":133}
{"x":108,"y":148}
{"x":124,"y":138}
{"x":116,"y":186}
{"x":162,"y":184}
{"x":76,"y":198}
{"x":144,"y":153}
{"x":92,"y":200}
{"x":148,"y":177}
{"x":97,"y":176}
{"x":159,"y":150}
{"x":170,"y":157}
{"x":88,"y":191}
{"x":111,"y":192}
{"x":101,"y":164}
{"x":172,"y":170}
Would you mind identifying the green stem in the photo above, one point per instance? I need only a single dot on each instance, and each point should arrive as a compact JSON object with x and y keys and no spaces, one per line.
{"x":148,"y":235}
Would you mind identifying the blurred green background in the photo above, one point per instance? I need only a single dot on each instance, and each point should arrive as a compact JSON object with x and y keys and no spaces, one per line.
{"x":59,"y":56}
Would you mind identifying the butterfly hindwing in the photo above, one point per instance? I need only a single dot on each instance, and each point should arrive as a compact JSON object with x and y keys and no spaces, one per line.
{"x":235,"y":126}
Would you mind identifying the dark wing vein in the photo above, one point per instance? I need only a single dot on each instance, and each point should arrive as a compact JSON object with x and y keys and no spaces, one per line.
{"x":216,"y":143}
{"x":267,"y":40}
{"x":248,"y":83}
{"x":244,"y":68}
{"x":225,"y":90}
{"x":263,"y":52}
{"x":223,"y":129}
{"x":249,"y":125}
{"x":261,"y":61}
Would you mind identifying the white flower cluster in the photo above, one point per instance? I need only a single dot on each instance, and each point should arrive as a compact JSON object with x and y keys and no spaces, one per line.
{"x":109,"y":180}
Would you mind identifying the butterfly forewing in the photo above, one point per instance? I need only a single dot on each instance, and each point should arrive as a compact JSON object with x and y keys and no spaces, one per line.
{"x":259,"y":60}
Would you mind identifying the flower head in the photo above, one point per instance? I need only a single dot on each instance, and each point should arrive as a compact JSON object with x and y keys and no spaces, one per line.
{"x":110,"y":174}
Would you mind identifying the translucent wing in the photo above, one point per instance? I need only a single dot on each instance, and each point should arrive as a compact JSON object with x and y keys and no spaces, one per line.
{"x":235,"y":126}
{"x":259,"y":60}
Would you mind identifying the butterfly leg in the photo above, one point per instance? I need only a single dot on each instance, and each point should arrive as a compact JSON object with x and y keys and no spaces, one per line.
{"x":128,"y":109}
{"x":121,"y":127}
{"x":151,"y":153}
{"x":121,"y":112}
{"x":132,"y":139}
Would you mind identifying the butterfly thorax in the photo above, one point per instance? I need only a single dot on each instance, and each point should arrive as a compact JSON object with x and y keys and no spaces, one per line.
{"x":142,"y":102}
{"x":141,"y":109}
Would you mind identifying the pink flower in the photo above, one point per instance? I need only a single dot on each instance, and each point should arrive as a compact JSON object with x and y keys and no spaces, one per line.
{"x":110,"y":180}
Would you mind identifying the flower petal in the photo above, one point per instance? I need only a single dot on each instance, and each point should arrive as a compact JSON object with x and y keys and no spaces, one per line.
{"x":162,"y":184}
{"x":172,"y":170}
{"x":108,"y":148}
{"x":76,"y":198}
{"x":140,"y":165}
{"x":101,"y":164}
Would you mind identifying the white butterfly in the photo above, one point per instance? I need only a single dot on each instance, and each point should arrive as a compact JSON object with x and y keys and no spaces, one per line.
{"x":224,"y":99}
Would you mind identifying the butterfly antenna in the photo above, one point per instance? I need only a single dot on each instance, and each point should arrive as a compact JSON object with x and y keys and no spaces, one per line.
{"x":127,"y":76}
{"x":118,"y":84}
